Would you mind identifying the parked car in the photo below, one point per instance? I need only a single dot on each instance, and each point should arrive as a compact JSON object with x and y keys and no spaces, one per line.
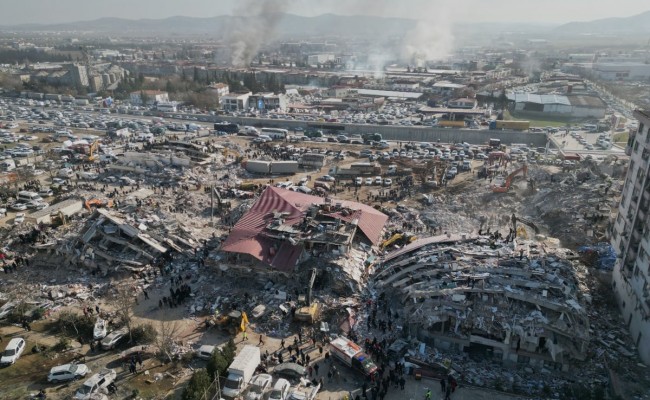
{"x":280,"y":390}
{"x":18,"y":206}
{"x":368,"y":181}
{"x":358,"y":181}
{"x":205,"y":352}
{"x":97,"y":383}
{"x":291,"y":371}
{"x":113,"y":338}
{"x":12,"y":352}
{"x":67,"y":372}
{"x":258,"y":386}
{"x":19,"y":218}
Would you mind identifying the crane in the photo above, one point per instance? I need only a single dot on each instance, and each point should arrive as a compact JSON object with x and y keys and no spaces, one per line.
{"x":504,"y":189}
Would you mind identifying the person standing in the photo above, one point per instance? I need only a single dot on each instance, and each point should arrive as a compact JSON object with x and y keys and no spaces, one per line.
{"x":443,"y":384}
{"x":261,"y":342}
{"x":427,"y":396}
{"x":244,"y":336}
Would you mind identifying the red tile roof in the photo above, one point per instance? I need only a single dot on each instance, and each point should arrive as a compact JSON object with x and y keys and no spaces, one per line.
{"x":247,"y":235}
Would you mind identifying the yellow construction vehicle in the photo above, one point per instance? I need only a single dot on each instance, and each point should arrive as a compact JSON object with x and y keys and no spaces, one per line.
{"x":92,"y":152}
{"x":521,"y":230}
{"x":310,"y":311}
{"x":399,"y":239}
{"x":232,"y":322}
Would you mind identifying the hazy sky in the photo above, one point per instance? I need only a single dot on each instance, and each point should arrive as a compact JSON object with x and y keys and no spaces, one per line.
{"x":54,"y":11}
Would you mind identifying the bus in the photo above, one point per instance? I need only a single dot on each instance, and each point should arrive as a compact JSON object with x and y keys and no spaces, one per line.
{"x":275,"y":133}
{"x":226,"y":127}
{"x":166,"y":106}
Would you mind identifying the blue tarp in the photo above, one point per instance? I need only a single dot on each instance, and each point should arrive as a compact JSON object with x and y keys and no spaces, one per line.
{"x":606,"y":254}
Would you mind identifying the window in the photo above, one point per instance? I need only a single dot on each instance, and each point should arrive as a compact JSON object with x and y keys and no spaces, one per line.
{"x":636,"y":146}
{"x":523,"y":359}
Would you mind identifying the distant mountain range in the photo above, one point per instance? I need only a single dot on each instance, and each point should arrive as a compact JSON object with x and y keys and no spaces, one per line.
{"x":636,"y":24}
{"x":290,"y":25}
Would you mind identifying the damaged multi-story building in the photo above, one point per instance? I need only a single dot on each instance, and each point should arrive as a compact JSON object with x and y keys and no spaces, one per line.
{"x":518,"y":305}
{"x":284,"y":228}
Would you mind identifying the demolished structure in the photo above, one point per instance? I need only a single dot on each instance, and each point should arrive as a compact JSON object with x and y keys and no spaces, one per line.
{"x":285,"y":227}
{"x":469,"y":295}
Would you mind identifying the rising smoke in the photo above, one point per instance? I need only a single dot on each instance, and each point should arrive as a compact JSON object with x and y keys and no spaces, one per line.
{"x":431,"y":39}
{"x":262,"y":18}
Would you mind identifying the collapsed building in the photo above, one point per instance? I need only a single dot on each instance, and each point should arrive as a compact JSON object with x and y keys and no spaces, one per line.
{"x":519,"y":304}
{"x":284,"y":228}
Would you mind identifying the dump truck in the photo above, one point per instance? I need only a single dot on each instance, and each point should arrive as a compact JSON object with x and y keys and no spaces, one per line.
{"x":240,"y":372}
{"x":512,"y":125}
{"x":352,"y":355}
{"x":357,"y":169}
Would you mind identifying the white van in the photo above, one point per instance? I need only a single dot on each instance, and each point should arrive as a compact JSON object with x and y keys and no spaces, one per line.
{"x":25,"y":196}
{"x":13,"y":351}
{"x":251,"y":131}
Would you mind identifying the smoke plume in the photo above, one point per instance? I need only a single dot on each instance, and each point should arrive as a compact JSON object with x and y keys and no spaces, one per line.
{"x":431,"y":38}
{"x":261,"y":18}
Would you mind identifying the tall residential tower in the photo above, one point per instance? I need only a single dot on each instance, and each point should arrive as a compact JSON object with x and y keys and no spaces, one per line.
{"x":631,"y":239}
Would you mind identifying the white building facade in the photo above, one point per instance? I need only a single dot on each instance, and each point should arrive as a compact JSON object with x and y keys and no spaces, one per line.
{"x":630,"y":238}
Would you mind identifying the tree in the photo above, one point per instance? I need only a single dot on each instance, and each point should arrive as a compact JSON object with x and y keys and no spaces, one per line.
{"x":123,"y":302}
{"x":198,"y":386}
{"x":503,"y":100}
{"x":217,"y":364}
{"x":229,"y":351}
{"x":167,"y":332}
{"x":169,"y":88}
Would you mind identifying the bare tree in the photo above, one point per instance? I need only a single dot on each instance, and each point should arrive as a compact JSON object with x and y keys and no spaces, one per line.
{"x":123,"y":302}
{"x":167,"y":332}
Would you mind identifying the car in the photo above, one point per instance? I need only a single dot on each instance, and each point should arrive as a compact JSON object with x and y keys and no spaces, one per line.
{"x":290,"y":371}
{"x":304,"y":393}
{"x":589,"y":147}
{"x":280,"y":390}
{"x":46,"y":193}
{"x":67,"y":372}
{"x":326,"y":178}
{"x":205,"y":352}
{"x":37,"y":205}
{"x":112,"y":339}
{"x":378,"y":180}
{"x":18,"y":206}
{"x":259,"y":384}
{"x":358,"y":181}
{"x":58,"y":181}
{"x":388,"y":182}
{"x":96,"y":383}
{"x":368,"y":181}
{"x":110,"y":179}
{"x":12,"y":352}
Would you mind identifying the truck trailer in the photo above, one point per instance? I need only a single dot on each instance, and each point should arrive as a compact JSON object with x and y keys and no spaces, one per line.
{"x":241,"y":371}
{"x":352,"y":355}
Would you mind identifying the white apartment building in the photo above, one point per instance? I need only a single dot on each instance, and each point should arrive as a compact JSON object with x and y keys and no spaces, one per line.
{"x":235,"y":101}
{"x":631,"y":240}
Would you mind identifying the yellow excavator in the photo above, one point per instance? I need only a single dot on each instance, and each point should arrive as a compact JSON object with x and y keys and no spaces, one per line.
{"x":521,"y":230}
{"x":92,"y":152}
{"x":310,"y":310}
{"x":399,"y":239}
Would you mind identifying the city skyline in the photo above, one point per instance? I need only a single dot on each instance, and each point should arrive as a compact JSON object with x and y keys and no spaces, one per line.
{"x":19,"y":12}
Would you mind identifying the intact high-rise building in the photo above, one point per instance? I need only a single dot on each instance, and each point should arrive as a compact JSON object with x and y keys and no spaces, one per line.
{"x":630,"y":237}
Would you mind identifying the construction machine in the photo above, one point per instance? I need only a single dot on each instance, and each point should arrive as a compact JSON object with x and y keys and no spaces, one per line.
{"x":95,"y":202}
{"x":93,"y":150}
{"x":504,"y":189}
{"x":58,"y":219}
{"x":521,"y":231}
{"x":310,"y":310}
{"x":398,"y":238}
{"x":232,"y":322}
